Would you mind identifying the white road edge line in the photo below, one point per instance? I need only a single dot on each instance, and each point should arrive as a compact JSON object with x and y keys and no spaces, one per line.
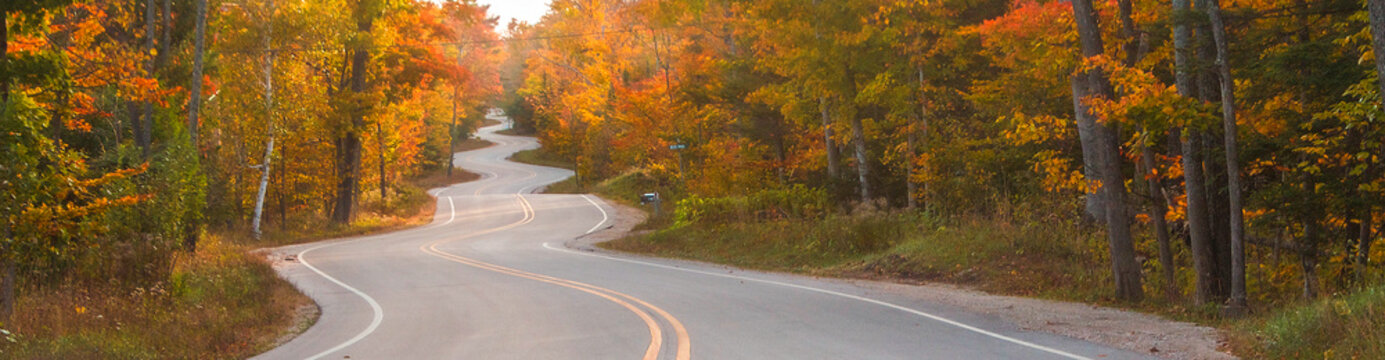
{"x":830,"y":292}
{"x":379,"y":315}
{"x":374,"y":306}
{"x":451,"y":214}
{"x":604,"y":216}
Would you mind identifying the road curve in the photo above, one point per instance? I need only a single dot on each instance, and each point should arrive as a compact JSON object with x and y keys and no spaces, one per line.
{"x":490,"y":278}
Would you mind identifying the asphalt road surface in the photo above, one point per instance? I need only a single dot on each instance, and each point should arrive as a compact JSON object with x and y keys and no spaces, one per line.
{"x":491,"y":278}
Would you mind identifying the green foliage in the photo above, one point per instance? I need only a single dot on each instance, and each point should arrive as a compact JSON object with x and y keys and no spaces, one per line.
{"x":798,"y":203}
{"x":778,"y":244}
{"x":1027,"y":252}
{"x":1349,"y":327}
{"x":52,"y":212}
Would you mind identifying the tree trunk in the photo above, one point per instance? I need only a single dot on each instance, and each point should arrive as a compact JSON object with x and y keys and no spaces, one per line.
{"x":911,"y":190}
{"x":452,"y":137}
{"x":452,"y":131}
{"x":858,"y":136}
{"x":7,"y":257}
{"x":923,"y":122}
{"x":1233,"y":166}
{"x":269,"y":122}
{"x":145,"y":138}
{"x":780,"y":156}
{"x":1213,"y":168}
{"x":1218,"y":203}
{"x":350,"y":142}
{"x":829,"y":144}
{"x":195,"y":96}
{"x":1308,"y":259}
{"x":284,"y":183}
{"x":1086,"y":134}
{"x":264,"y":186}
{"x":165,"y":36}
{"x":1377,"y":16}
{"x":4,"y":55}
{"x":1199,"y":230}
{"x":1124,"y":267}
{"x":60,"y":40}
{"x":1363,"y":247}
{"x":137,"y":129}
{"x":1161,"y":226}
{"x":1153,"y":182}
{"x":380,"y":143}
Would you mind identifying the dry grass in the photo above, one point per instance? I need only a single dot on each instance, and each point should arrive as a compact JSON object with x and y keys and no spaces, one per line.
{"x":1351,"y":326}
{"x":222,"y":303}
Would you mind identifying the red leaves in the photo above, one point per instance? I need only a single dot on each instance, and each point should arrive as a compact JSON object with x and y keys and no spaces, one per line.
{"x":1029,"y":20}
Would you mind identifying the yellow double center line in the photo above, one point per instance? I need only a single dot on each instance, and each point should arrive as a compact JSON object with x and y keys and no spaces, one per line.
{"x":656,"y":337}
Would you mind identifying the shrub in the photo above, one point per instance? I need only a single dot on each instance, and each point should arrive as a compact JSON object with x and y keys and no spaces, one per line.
{"x":798,"y":202}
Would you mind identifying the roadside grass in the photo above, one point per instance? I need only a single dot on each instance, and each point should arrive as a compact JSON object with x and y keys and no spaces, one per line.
{"x":541,"y":158}
{"x":515,"y":132}
{"x":1056,"y":261}
{"x":1349,"y":327}
{"x":224,"y":302}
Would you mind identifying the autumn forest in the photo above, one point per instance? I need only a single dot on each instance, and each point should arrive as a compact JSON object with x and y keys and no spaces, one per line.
{"x":1206,"y":160}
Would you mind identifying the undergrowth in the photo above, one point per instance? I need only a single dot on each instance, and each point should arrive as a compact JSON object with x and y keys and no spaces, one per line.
{"x":1348,"y":327}
{"x":222,"y":303}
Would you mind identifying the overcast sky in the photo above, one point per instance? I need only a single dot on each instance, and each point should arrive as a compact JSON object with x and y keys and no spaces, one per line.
{"x":522,"y":10}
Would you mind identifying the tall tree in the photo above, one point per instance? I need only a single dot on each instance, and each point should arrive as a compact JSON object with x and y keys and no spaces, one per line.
{"x":268,"y":63}
{"x":1237,"y":304}
{"x":1376,"y":10}
{"x":452,"y":129}
{"x":349,"y":143}
{"x":1122,"y":248}
{"x":195,"y":81}
{"x":1204,"y":258}
{"x":144,"y":124}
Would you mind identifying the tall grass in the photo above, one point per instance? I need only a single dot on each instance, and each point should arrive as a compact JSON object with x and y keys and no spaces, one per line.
{"x":222,"y":303}
{"x":1349,"y":327}
{"x":1054,"y":260}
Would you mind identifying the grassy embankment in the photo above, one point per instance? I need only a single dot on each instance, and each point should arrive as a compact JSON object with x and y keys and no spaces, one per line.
{"x":1015,"y":251}
{"x":225,"y":302}
{"x":543,"y":158}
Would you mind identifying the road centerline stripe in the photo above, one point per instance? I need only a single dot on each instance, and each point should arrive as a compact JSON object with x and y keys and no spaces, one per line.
{"x":655,"y":330}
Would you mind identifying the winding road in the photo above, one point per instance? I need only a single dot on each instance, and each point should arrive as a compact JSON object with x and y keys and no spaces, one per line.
{"x":495,"y":276}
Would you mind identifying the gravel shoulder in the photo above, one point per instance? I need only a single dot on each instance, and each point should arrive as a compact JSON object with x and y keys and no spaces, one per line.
{"x":1122,"y":329}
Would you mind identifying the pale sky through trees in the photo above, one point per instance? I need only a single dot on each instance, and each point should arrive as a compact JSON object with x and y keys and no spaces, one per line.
{"x":523,"y":10}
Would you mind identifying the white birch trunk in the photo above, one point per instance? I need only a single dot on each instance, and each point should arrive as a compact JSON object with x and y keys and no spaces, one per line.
{"x":269,"y":122}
